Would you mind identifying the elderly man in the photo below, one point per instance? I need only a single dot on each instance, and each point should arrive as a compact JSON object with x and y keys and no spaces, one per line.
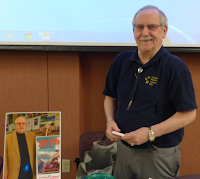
{"x":20,"y":154}
{"x":150,"y":98}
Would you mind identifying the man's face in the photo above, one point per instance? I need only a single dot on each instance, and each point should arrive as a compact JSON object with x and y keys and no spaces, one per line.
{"x":149,"y":41}
{"x":20,"y":125}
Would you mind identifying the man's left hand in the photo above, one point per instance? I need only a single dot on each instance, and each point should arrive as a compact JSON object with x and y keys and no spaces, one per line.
{"x":137,"y":137}
{"x":47,"y":126}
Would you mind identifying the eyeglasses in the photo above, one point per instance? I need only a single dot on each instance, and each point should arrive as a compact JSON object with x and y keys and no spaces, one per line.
{"x":20,"y":123}
{"x":140,"y":27}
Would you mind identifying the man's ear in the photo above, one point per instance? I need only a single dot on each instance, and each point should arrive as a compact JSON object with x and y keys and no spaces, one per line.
{"x":165,"y":29}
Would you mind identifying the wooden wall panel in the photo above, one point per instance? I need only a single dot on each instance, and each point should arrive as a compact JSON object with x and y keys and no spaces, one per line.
{"x":64,"y":89}
{"x":23,"y":79}
{"x":191,"y":143}
{"x":94,"y":68}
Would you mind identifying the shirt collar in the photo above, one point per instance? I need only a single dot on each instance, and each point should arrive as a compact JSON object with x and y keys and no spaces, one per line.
{"x":20,"y":134}
{"x":135,"y":57}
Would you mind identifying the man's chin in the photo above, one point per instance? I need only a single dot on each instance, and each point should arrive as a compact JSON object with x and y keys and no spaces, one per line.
{"x":20,"y":132}
{"x":146,"y":48}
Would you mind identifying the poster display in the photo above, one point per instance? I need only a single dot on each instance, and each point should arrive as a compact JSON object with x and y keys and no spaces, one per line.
{"x":33,"y":139}
{"x":48,"y":157}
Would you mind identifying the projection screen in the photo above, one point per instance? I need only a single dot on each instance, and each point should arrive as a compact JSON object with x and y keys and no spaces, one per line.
{"x":92,"y":22}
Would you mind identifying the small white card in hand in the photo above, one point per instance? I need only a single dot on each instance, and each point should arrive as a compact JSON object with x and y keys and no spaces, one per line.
{"x":118,"y":133}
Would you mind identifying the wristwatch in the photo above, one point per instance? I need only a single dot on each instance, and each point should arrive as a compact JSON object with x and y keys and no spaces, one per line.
{"x":151,"y":135}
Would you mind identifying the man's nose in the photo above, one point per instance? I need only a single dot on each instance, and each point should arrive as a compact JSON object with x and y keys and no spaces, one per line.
{"x":145,"y":31}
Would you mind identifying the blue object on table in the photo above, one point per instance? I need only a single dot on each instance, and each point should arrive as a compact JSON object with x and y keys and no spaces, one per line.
{"x":100,"y":176}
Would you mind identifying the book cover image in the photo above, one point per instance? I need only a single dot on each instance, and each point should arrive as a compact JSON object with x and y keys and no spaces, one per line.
{"x":48,"y":157}
{"x":30,"y":125}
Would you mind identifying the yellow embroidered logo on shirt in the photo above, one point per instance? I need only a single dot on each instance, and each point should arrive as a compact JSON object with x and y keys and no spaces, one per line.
{"x":151,"y":80}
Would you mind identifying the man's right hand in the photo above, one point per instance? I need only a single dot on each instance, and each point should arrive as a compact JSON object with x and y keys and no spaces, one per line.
{"x":112,"y":126}
{"x":6,"y":176}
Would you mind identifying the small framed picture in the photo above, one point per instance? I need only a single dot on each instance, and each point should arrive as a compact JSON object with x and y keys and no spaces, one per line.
{"x":29,"y":123}
{"x":10,"y":127}
{"x":36,"y":122}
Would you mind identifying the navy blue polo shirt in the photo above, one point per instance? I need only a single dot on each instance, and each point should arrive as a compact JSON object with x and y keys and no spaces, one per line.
{"x":177,"y":92}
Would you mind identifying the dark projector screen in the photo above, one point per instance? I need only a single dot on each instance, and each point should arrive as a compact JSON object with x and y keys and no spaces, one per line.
{"x":92,"y":22}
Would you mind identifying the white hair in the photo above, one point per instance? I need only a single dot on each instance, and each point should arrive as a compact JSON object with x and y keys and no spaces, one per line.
{"x":20,"y":117}
{"x":163,"y":17}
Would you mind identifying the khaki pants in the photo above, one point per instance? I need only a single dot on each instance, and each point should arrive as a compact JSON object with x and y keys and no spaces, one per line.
{"x":158,"y":163}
